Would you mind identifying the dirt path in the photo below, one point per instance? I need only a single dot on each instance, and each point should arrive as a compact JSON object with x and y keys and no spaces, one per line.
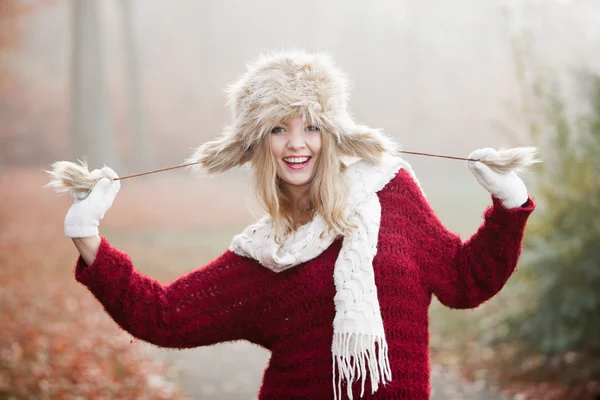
{"x":233,"y":371}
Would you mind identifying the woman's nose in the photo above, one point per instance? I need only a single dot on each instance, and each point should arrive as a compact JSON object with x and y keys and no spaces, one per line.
{"x":296,"y":139}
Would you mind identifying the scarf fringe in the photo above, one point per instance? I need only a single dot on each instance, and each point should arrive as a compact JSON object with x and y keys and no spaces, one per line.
{"x":353,"y":353}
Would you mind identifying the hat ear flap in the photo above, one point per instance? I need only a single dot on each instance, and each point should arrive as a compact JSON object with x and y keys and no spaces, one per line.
{"x":368,"y":145}
{"x":220,"y":155}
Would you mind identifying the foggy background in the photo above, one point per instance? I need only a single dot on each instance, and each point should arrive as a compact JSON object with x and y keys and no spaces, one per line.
{"x":436,"y":76}
{"x":138,"y":84}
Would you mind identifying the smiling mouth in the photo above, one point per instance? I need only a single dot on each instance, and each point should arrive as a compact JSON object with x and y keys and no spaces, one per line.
{"x":297,"y":162}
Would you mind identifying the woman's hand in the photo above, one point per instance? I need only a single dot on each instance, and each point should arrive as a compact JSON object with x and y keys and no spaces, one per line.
{"x":508,"y":188}
{"x":83,"y":218}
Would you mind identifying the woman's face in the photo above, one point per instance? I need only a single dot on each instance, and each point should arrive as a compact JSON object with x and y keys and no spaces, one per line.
{"x":296,"y":148}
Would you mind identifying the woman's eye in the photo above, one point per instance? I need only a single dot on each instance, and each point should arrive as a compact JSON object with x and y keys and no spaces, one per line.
{"x":277,"y":129}
{"x":312,"y":128}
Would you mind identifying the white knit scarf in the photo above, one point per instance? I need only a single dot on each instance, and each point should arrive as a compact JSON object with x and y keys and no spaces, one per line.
{"x":358,"y":337}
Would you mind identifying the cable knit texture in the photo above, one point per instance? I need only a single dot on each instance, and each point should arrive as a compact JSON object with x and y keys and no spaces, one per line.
{"x":291,"y":312}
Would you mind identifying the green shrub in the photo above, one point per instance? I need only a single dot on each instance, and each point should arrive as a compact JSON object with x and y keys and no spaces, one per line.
{"x":561,"y":253}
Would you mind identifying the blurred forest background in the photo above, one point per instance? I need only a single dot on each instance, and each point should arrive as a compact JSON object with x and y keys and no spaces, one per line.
{"x":137,"y":84}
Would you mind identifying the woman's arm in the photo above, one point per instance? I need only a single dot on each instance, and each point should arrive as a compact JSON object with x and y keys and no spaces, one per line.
{"x":87,"y":247}
{"x":212,"y":304}
{"x":462,"y":274}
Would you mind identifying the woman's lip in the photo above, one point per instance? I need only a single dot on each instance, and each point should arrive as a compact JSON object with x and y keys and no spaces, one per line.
{"x":299,"y":166}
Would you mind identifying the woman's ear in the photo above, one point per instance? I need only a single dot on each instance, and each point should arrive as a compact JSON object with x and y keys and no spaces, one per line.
{"x":220,"y":155}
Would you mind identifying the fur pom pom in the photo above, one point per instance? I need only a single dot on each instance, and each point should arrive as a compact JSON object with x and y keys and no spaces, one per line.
{"x":76,"y":179}
{"x":515,"y":159}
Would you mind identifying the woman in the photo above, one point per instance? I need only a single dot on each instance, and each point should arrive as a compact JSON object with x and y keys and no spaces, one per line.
{"x":337,"y":279}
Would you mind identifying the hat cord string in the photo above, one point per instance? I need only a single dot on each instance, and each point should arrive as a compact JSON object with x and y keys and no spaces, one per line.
{"x":198,"y":162}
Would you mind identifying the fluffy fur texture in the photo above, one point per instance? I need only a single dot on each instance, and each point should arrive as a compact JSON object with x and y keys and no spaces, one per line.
{"x":76,"y":179}
{"x":281,"y":86}
{"x":507,"y":160}
{"x":275,"y":88}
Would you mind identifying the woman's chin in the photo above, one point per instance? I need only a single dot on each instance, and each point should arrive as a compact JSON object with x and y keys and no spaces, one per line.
{"x":303,"y":182}
{"x":296,"y":180}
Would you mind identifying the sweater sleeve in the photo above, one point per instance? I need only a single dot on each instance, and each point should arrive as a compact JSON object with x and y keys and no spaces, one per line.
{"x":212,"y":304}
{"x":464,"y":274}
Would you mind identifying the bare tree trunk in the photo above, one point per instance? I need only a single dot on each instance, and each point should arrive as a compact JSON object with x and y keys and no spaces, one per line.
{"x":91,"y":129}
{"x":140,"y":148}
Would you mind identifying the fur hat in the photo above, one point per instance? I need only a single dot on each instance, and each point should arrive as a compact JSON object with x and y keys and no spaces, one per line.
{"x":281,"y":86}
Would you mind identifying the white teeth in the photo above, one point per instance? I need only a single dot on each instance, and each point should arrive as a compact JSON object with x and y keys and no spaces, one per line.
{"x":296,"y":160}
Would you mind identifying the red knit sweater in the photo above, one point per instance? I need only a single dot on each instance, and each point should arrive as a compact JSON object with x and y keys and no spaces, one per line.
{"x":291,"y":313}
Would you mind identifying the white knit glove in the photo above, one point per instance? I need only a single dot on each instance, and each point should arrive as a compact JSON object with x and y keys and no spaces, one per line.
{"x":508,"y":188}
{"x":84,"y":216}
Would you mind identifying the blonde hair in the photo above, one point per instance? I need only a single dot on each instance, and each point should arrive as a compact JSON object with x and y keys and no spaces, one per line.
{"x":327,"y":195}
